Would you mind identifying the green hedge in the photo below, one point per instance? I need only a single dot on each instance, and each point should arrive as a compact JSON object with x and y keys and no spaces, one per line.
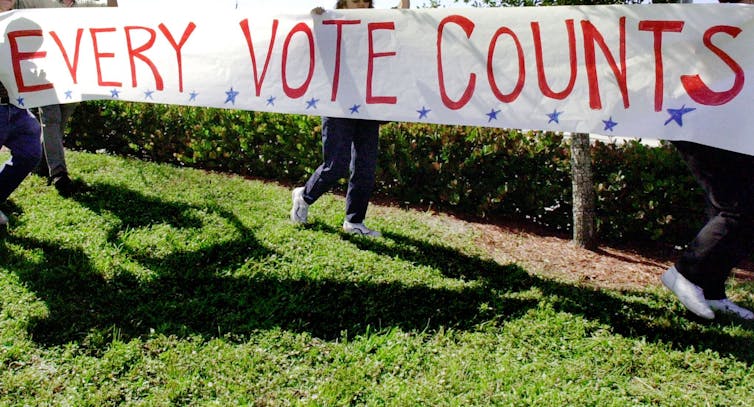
{"x":644,"y":193}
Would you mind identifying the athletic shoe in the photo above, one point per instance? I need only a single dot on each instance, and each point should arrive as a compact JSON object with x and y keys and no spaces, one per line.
{"x":728,"y":307}
{"x":691,"y":295}
{"x":359,"y":229}
{"x":3,"y":219}
{"x":300,"y":209}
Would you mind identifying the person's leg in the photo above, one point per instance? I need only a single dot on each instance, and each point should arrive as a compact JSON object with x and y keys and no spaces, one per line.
{"x":4,"y":120}
{"x":22,"y":139}
{"x":363,"y":165}
{"x":4,"y":133}
{"x":719,"y":246}
{"x":336,"y":148}
{"x":726,"y":238}
{"x":66,"y":111}
{"x":51,"y":119}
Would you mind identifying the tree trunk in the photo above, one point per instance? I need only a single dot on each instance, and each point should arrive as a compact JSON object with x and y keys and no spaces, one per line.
{"x":584,"y":200}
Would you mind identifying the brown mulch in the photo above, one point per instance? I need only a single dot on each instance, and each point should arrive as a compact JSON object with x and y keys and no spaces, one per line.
{"x":555,"y":256}
{"x":558,"y":257}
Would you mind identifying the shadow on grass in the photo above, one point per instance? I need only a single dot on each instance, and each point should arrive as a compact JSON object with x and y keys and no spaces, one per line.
{"x":189,"y":301}
{"x":627,"y":317}
{"x":136,"y":210}
{"x":199,"y":293}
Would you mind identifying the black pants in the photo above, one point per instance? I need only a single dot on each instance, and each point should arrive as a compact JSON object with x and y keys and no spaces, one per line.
{"x":347,"y":144}
{"x":728,"y":236}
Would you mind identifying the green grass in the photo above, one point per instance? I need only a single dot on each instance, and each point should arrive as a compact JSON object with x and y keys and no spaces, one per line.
{"x":168,"y":286}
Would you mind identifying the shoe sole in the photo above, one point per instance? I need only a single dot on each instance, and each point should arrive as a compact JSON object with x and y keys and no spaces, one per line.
{"x":666,"y":281}
{"x":359,"y":232}
{"x":732,"y":313}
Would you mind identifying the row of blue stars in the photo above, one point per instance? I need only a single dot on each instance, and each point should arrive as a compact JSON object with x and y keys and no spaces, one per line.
{"x":676,"y":115}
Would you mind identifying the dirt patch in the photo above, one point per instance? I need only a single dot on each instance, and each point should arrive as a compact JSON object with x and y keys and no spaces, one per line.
{"x":552,"y":255}
{"x":549,"y":254}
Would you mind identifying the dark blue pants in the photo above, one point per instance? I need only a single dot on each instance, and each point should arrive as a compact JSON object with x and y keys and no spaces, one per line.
{"x":20,"y":133}
{"x":347,"y":144}
{"x":728,"y":236}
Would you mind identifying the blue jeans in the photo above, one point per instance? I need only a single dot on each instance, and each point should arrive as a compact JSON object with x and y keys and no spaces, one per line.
{"x":347,"y":144}
{"x":20,"y":133}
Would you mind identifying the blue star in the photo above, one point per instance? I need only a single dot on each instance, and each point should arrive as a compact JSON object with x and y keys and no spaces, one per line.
{"x":148,"y":94}
{"x":115,"y":93}
{"x":424,"y":112}
{"x":609,"y":124}
{"x":271,"y":101}
{"x":192,"y":96}
{"x":69,"y":94}
{"x":231,"y":96}
{"x":554,"y":116}
{"x":492,"y":115}
{"x":20,"y":101}
{"x":676,"y":115}
{"x":355,"y":109}
{"x":312,"y":103}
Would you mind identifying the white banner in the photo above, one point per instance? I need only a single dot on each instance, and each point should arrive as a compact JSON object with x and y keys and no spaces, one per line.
{"x":673,"y":72}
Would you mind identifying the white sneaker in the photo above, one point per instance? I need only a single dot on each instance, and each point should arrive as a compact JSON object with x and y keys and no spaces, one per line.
{"x":726,"y":306}
{"x":359,"y":229}
{"x":300,"y":209}
{"x":3,"y":219}
{"x":691,"y":295}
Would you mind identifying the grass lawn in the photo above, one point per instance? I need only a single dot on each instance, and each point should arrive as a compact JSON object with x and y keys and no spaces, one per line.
{"x":165,"y":286}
